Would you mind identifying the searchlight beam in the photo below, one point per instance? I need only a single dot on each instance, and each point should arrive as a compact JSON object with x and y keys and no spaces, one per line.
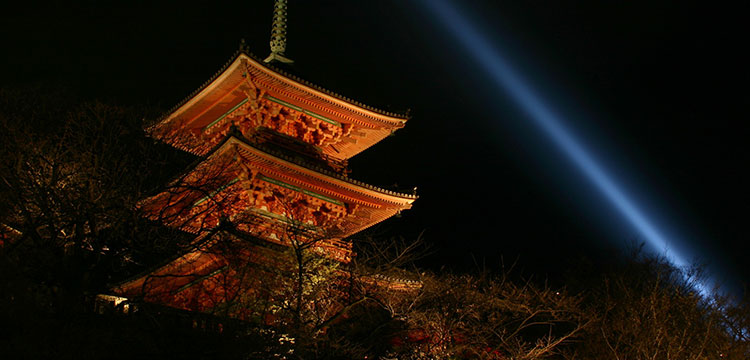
{"x":501,"y":73}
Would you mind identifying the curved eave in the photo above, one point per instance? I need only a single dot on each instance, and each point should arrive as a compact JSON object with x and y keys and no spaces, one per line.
{"x":352,"y":104}
{"x":384,"y":118}
{"x":375,"y":193}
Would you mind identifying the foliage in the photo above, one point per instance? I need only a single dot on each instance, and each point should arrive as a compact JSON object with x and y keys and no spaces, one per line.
{"x":72,"y":178}
{"x":70,"y":175}
{"x":487,"y":316}
{"x":646,"y":308}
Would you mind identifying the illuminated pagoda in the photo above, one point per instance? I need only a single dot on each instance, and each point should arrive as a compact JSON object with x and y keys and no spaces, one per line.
{"x":273,"y":152}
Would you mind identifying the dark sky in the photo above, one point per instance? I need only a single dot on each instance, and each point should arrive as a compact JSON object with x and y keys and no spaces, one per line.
{"x":657,"y":90}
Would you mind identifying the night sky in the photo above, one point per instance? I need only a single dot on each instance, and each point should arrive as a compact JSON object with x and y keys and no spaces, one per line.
{"x":657,"y":90}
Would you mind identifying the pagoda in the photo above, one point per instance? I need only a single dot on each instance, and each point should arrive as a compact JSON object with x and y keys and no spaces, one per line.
{"x":271,"y":174}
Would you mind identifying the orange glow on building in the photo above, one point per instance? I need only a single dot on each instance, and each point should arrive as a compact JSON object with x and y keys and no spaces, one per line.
{"x":273,"y":155}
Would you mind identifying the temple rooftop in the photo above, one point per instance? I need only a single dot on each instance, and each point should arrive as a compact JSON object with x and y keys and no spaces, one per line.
{"x":250,"y":94}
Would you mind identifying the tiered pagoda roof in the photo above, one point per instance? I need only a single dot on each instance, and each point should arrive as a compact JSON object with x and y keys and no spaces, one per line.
{"x":250,"y":94}
{"x":273,"y":152}
{"x":261,"y":131}
{"x":253,"y":179}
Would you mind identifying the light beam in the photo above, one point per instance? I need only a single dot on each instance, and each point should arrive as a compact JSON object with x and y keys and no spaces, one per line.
{"x":500,"y":71}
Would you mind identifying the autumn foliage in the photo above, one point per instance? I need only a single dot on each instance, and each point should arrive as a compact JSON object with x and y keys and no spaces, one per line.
{"x":71,"y":178}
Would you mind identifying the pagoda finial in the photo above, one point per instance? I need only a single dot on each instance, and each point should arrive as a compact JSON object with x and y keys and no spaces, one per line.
{"x":278,"y":34}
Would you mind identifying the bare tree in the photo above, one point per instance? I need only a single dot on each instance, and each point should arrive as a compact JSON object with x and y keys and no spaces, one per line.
{"x":489,"y":317}
{"x":649,"y":309}
{"x":70,"y":178}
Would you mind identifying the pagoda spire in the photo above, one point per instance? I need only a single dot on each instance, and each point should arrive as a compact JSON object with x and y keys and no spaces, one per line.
{"x":278,"y":34}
